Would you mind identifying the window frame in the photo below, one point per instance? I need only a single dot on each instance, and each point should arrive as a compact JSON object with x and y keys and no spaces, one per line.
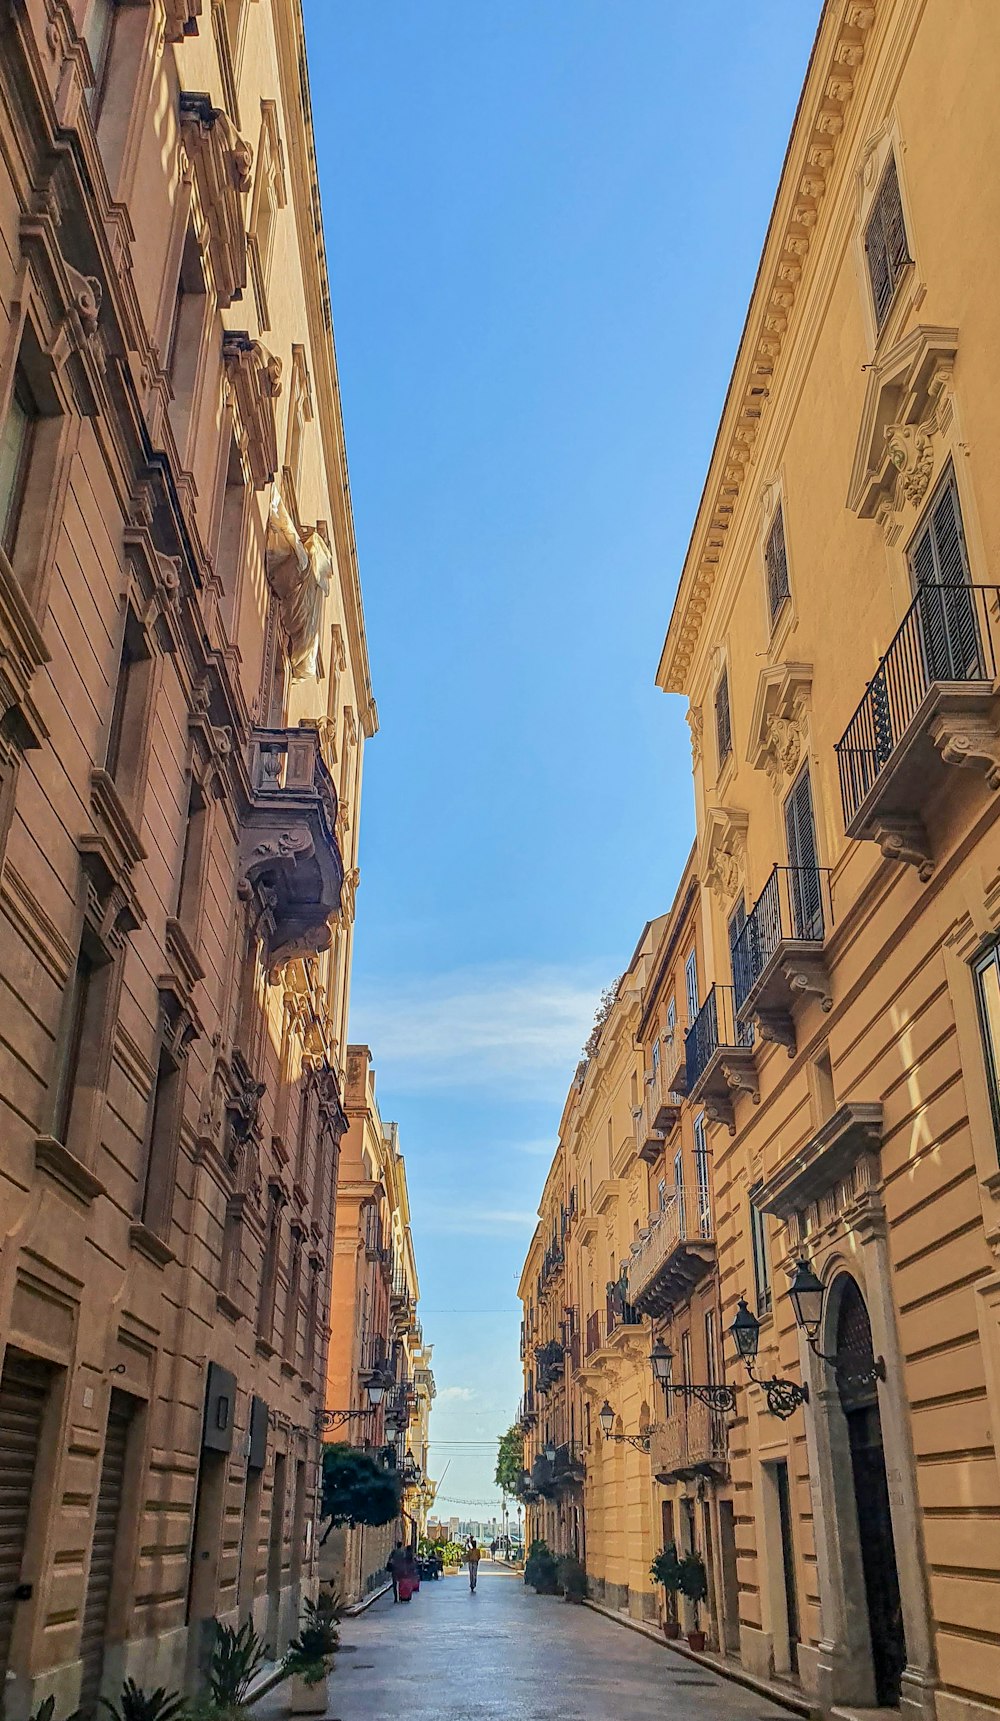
{"x":776,"y":598}
{"x":723,"y":707}
{"x":23,"y":399}
{"x":986,"y":958}
{"x":760,"y":1259}
{"x":896,"y":270}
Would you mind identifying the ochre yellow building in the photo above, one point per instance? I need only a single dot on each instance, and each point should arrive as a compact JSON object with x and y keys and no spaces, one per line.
{"x":835,"y":635}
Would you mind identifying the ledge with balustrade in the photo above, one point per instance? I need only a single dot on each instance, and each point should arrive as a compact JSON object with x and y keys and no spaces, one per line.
{"x":658,"y":1115}
{"x":778,"y":958}
{"x":692,"y":1441}
{"x":673,"y":1254}
{"x":289,"y":852}
{"x":720,"y":1058}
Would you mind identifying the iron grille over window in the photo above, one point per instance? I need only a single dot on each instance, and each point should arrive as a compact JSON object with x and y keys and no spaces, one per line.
{"x":776,"y":561}
{"x":885,"y":242}
{"x":723,"y":721}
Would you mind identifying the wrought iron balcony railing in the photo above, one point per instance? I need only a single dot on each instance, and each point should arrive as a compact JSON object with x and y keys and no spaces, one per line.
{"x":719,"y":1051}
{"x":943,"y":655}
{"x":658,"y":1114}
{"x":778,"y":954}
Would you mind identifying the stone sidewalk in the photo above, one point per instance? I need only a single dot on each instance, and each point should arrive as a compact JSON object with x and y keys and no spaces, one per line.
{"x":505,"y":1652}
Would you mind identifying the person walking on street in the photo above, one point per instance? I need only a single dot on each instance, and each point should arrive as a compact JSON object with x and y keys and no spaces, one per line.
{"x":472,"y":1559}
{"x":397,"y":1565}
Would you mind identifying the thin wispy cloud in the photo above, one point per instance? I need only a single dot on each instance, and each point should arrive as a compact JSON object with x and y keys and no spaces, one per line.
{"x":515,"y":1031}
{"x":453,"y":1394}
{"x":473,"y":1221}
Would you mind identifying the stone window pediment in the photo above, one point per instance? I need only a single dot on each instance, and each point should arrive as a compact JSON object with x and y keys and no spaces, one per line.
{"x":222,"y":162}
{"x":722,"y":861}
{"x":852,"y":1135}
{"x":778,"y":722}
{"x":907,"y":404}
{"x":254,"y":376}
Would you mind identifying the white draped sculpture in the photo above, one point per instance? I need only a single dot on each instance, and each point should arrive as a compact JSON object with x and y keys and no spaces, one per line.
{"x":298,"y":573}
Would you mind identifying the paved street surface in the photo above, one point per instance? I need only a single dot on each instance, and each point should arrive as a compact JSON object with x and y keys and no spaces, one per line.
{"x":452,"y":1656}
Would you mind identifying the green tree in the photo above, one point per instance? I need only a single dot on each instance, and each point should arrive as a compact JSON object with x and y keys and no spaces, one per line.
{"x":510,"y":1459}
{"x":356,"y":1490}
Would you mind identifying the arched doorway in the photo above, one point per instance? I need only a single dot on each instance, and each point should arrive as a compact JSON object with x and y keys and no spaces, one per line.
{"x":858,"y":1390}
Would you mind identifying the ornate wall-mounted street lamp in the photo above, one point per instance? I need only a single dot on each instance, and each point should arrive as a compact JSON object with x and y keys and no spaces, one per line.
{"x":720,"y":1398}
{"x":549,"y":1452}
{"x":606,"y":1418}
{"x":808,"y":1295}
{"x":783,"y":1396}
{"x":328,"y":1419}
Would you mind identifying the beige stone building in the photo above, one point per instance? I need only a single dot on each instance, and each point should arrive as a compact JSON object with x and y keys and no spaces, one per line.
{"x":376,"y":1338}
{"x":185,"y":696}
{"x":835,"y":633}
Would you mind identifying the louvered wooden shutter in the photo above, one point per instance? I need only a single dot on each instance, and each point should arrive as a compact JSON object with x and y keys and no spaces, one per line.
{"x":777,"y":566}
{"x":885,"y":242}
{"x":723,"y":723}
{"x":102,"y":1554}
{"x":23,"y":1392}
{"x":800,"y":834}
{"x":948,"y":618}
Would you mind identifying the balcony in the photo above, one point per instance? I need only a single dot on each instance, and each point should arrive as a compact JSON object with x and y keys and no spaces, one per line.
{"x":527,"y":1414}
{"x":719,"y":1054}
{"x":551,"y":1478}
{"x":692,"y":1442}
{"x":657,"y":1116}
{"x":289,"y":853}
{"x":675,"y":1253}
{"x":778,"y":956}
{"x":931,"y":703}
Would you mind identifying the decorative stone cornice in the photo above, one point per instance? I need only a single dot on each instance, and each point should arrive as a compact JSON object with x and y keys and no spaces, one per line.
{"x":829,"y":90}
{"x":778,"y":723}
{"x":907,"y":404}
{"x":853,"y":1132}
{"x":722,"y":861}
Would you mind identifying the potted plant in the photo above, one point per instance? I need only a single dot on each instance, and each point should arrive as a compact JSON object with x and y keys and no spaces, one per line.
{"x":572,"y":1578}
{"x":308,"y":1659}
{"x":666,"y":1570}
{"x":540,"y":1570}
{"x":134,"y":1704}
{"x":694,"y":1585}
{"x":236,"y":1656}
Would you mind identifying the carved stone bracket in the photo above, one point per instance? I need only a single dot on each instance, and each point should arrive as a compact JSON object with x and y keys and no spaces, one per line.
{"x":696,"y":723}
{"x":178,"y":1022}
{"x":776,"y":1027}
{"x":778,"y":722}
{"x":904,"y":839}
{"x":965,"y":738}
{"x":741,"y":1076}
{"x":719,"y":1110}
{"x":222,"y":162}
{"x":181,"y":19}
{"x":806,"y":973}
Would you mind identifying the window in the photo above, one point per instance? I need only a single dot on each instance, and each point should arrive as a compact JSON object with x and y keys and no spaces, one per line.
{"x":686,"y":1358}
{"x":691,"y":985}
{"x":661,"y":1194}
{"x":987,"y":977}
{"x":229,"y":546}
{"x":702,"y":1177}
{"x":98,"y":32}
{"x":76,"y":1017}
{"x":711,"y":1359}
{"x":192,"y":862}
{"x":679,"y":1192}
{"x":886,"y":249}
{"x":187,"y":323}
{"x":656,"y":1056}
{"x":123,"y":760}
{"x":737,"y":921}
{"x":300,"y":411}
{"x":723,"y":721}
{"x":268,"y":197}
{"x":939,"y":567}
{"x":671,"y":1022}
{"x":15,"y":458}
{"x":161,"y":1151}
{"x":800,"y":836}
{"x":761,"y":1258}
{"x":776,"y":564}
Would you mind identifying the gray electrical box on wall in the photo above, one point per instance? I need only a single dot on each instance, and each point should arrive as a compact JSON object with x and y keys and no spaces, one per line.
{"x":220,"y":1409}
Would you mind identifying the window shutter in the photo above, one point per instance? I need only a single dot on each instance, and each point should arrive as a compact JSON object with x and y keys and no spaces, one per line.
{"x":723,"y":724}
{"x":777,"y":566}
{"x":948,"y":618}
{"x":800,"y":833}
{"x":886,"y":246}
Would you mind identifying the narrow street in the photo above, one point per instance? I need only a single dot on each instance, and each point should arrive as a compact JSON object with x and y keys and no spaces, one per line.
{"x":507,"y":1652}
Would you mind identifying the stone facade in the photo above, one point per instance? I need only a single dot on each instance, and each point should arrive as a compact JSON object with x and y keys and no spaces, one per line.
{"x":375,"y":1333}
{"x":185,"y":697}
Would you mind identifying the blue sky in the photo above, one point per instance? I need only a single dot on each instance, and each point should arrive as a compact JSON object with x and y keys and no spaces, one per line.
{"x":543,"y":219}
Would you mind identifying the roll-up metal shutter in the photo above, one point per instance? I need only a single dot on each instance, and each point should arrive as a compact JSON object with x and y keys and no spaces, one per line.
{"x":24,"y":1388}
{"x":102,"y":1553}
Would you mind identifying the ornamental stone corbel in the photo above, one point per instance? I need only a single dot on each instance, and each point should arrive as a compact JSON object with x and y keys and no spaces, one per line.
{"x":963,"y":738}
{"x":741,"y":1078}
{"x":805,"y":973}
{"x":905,"y":839}
{"x":180,"y":19}
{"x":777,"y":1028}
{"x":719,"y":1110}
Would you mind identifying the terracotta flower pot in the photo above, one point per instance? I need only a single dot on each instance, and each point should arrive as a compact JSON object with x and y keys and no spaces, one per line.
{"x":671,"y":1628}
{"x":696,"y":1640}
